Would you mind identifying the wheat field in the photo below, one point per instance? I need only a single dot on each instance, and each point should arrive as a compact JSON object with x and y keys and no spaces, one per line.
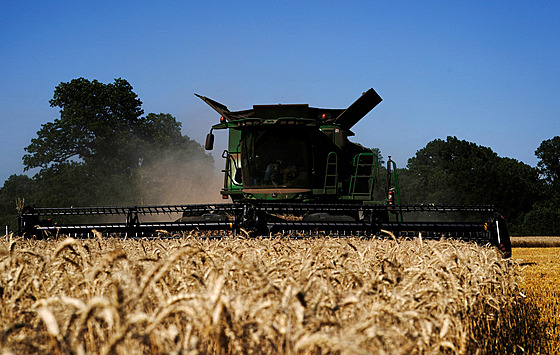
{"x":253,"y":296}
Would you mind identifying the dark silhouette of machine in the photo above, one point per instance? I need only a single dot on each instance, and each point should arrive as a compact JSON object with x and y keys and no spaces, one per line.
{"x":292,"y":168}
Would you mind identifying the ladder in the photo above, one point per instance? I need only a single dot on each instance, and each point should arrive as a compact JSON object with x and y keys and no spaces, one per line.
{"x":331,"y":174}
{"x":363,"y":179}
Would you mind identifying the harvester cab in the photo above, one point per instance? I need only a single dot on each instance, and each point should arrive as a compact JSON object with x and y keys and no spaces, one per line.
{"x":301,"y":153}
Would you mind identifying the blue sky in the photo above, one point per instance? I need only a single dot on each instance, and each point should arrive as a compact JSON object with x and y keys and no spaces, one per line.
{"x":484,"y":71}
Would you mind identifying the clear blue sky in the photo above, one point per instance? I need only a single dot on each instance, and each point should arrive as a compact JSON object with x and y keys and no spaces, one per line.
{"x":484,"y":71}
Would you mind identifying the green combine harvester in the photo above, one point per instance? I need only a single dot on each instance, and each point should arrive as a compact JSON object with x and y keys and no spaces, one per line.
{"x":291,"y":169}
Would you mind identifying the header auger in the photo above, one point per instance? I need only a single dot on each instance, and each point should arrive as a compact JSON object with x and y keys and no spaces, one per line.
{"x":292,"y":168}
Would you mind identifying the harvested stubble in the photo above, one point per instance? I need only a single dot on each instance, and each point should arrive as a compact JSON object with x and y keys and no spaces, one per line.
{"x":541,"y":273}
{"x":235,"y":295}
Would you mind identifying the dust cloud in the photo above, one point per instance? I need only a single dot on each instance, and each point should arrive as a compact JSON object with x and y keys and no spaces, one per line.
{"x":176,"y":179}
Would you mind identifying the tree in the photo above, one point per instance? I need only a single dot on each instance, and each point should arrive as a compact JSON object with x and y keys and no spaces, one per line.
{"x":544,"y":218}
{"x":99,"y":123}
{"x":459,"y":172}
{"x":549,"y":159}
{"x":451,"y":171}
{"x":101,"y":149}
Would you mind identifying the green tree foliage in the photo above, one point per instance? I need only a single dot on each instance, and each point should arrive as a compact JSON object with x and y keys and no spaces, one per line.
{"x":99,"y":123}
{"x":544,"y":218}
{"x":549,"y":160}
{"x":459,"y":172}
{"x":102,"y":151}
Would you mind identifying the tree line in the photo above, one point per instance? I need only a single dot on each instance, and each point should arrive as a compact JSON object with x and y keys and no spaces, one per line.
{"x":104,"y":151}
{"x":454,"y":171}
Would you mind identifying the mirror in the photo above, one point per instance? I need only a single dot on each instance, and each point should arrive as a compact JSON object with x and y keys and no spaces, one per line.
{"x":209,"y":145}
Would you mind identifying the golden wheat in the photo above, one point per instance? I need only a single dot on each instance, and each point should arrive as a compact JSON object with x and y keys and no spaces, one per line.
{"x":239,"y":295}
{"x":535,"y":242}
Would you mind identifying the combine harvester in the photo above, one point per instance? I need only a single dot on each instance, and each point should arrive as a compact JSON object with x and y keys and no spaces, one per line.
{"x":291,"y":169}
